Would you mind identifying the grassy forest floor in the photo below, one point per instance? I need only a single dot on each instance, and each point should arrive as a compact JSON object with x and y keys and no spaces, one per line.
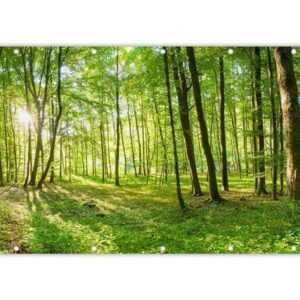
{"x":86,"y":216}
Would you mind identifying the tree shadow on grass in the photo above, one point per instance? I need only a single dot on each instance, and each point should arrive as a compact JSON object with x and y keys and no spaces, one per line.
{"x":109,"y":205}
{"x":250,"y":227}
{"x":49,"y":236}
{"x":86,"y":211}
{"x":5,"y":227}
{"x":128,"y":199}
{"x":33,"y":200}
{"x":130,"y":231}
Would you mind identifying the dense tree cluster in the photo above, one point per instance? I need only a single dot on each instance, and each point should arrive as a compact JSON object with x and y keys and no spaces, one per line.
{"x":113,"y":112}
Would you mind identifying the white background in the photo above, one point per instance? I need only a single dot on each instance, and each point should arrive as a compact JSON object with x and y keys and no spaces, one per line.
{"x":153,"y":22}
{"x":190,"y":277}
{"x":140,"y":22}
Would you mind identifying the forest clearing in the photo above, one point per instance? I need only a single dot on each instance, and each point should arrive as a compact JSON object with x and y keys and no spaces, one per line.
{"x":88,"y":217}
{"x":149,"y":150}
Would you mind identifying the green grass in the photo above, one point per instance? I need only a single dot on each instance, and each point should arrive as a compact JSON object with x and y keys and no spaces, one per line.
{"x":5,"y":230}
{"x":11,"y":228}
{"x":139,"y":218}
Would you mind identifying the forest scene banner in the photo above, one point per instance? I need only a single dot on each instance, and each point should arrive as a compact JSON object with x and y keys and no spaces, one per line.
{"x":149,"y":150}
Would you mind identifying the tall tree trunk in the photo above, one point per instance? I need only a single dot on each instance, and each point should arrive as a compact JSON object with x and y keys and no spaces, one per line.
{"x":235,"y":130}
{"x":7,"y":152}
{"x":15,"y":175}
{"x":254,"y":134}
{"x":1,"y":170}
{"x":176,"y":165}
{"x":138,"y":139}
{"x":57,"y":119}
{"x":1,"y":167}
{"x":123,"y":147}
{"x":245,"y":138}
{"x":291,"y":117}
{"x":162,"y":139}
{"x":68,"y":153}
{"x":143,"y":139}
{"x":213,"y":186}
{"x":182,"y":94}
{"x":281,"y":159}
{"x":51,"y":129}
{"x":82,"y":160}
{"x":274,"y":127}
{"x":86,"y":152}
{"x":261,"y":188}
{"x":117,"y":157}
{"x":104,"y":170}
{"x":28,"y":107}
{"x":109,"y":169}
{"x":222,"y":126}
{"x":147,"y":146}
{"x":40,"y":103}
{"x":61,"y":157}
{"x":36,"y":156}
{"x":131,"y":140}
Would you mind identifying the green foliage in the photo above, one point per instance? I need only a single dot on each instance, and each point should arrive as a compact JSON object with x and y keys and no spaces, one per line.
{"x":142,"y":215}
{"x":5,"y":230}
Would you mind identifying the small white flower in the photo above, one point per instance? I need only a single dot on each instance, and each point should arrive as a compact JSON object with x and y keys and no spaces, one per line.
{"x":16,"y":248}
{"x":230,"y":51}
{"x":293,"y":51}
{"x":94,"y":249}
{"x":94,"y":51}
{"x":230,"y":248}
{"x":16,"y":51}
{"x":162,"y":249}
{"x":293,"y":248}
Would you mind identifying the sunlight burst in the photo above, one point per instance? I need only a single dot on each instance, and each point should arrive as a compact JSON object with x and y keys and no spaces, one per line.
{"x":24,"y":117}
